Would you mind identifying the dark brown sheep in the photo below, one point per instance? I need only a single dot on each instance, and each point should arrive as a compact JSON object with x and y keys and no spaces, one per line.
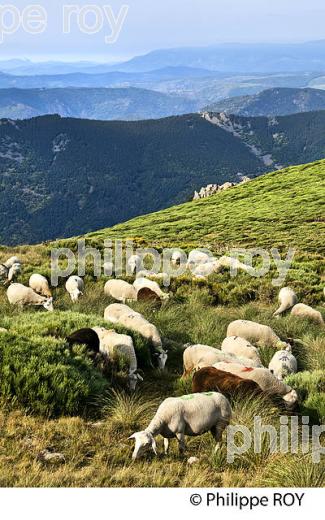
{"x":211,"y":379}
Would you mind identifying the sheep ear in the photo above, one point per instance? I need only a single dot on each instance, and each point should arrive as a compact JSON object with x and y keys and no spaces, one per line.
{"x":133,"y":436}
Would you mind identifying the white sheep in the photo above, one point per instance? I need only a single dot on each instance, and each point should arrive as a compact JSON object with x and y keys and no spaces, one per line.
{"x":114,"y":345}
{"x":283,"y":364}
{"x":201,"y":356}
{"x":304,"y":311}
{"x":258,"y":334}
{"x":192,"y":415}
{"x":177,"y":258}
{"x":197,"y":257}
{"x":75,"y":287}
{"x":124,"y":315}
{"x":11,"y":261}
{"x":287,"y":299}
{"x":267,"y":382}
{"x":144,"y":283}
{"x":9,"y":274}
{"x":108,"y":268}
{"x":134,"y":263}
{"x":164,"y":277}
{"x":231,"y":263}
{"x":21,"y":295}
{"x":120,"y":290}
{"x":240,"y":347}
{"x":39,"y":284}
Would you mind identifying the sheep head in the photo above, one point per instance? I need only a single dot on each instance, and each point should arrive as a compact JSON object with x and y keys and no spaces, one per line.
{"x":143,"y":442}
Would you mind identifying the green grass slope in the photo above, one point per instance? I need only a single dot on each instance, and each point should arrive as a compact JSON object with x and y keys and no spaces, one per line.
{"x":280,"y":209}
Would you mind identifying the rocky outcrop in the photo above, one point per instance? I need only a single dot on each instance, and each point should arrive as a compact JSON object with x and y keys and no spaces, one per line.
{"x":212,"y":189}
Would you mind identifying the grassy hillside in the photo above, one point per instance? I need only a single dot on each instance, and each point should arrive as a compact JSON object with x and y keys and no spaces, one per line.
{"x":63,"y":402}
{"x":284,"y":208}
{"x":62,"y":177}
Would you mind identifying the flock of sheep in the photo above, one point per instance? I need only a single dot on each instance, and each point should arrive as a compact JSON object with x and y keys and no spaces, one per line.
{"x":218,"y":373}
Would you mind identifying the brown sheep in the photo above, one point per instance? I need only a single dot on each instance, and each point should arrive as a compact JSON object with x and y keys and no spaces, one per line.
{"x":210,"y":379}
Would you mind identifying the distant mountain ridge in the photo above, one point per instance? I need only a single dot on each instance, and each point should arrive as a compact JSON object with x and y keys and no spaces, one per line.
{"x":92,"y":103}
{"x":273,"y":102}
{"x":61,"y":177}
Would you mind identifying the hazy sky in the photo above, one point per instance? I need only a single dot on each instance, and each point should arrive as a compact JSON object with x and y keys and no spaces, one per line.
{"x":154,"y":24}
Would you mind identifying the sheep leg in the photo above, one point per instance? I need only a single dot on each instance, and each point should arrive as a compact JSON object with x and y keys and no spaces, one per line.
{"x":181,"y":442}
{"x":216,"y":432}
{"x":166,"y":446}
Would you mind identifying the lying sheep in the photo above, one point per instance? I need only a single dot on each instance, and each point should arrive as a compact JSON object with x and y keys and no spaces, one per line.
{"x":86,"y":337}
{"x":124,"y":315}
{"x":114,"y":345}
{"x":283,"y":364}
{"x":304,"y":311}
{"x":143,"y":285}
{"x":240,"y":347}
{"x":39,"y":284}
{"x":258,"y":334}
{"x":18,"y":294}
{"x":134,"y":263}
{"x":190,"y":415}
{"x":211,"y":379}
{"x":75,"y":287}
{"x":120,"y":290}
{"x":287,"y":299}
{"x":200,"y":356}
{"x":267,"y":382}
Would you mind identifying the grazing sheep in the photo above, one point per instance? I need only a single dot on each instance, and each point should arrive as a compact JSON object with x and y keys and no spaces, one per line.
{"x":75,"y":287}
{"x":199,"y":356}
{"x":9,"y":274}
{"x":283,"y":364}
{"x":267,"y":382}
{"x":39,"y":284}
{"x":258,"y":334}
{"x":108,"y":268}
{"x":190,"y":415}
{"x":164,"y":277}
{"x":304,"y":311}
{"x":206,"y":269}
{"x":197,"y":257}
{"x":287,"y":299}
{"x":177,"y":258}
{"x":134,"y":263}
{"x":124,"y":315}
{"x":211,"y":379}
{"x":230,"y":262}
{"x":120,"y":290}
{"x":21,"y":295}
{"x":240,"y":347}
{"x":145,"y":285}
{"x":114,"y":345}
{"x":11,"y":261}
{"x":86,"y":337}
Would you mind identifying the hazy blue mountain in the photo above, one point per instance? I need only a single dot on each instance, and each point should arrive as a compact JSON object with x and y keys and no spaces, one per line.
{"x":239,"y":57}
{"x":272,"y":102}
{"x":92,"y":103}
{"x":61,"y":177}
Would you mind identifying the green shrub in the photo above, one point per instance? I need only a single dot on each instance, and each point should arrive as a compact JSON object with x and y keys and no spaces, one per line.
{"x":311,"y":390}
{"x":43,"y":377}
